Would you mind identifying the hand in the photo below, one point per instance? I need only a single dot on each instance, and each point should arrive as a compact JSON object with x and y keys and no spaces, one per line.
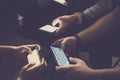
{"x":31,"y":70}
{"x":77,"y":71}
{"x":23,"y":50}
{"x":26,"y":48}
{"x":68,"y":44}
{"x":64,"y":23}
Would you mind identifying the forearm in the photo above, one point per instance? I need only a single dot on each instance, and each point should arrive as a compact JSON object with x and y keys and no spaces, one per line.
{"x":106,"y":25}
{"x":6,"y":49}
{"x":106,"y":74}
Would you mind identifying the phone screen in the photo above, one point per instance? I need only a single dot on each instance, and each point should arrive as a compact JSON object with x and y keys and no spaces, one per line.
{"x":60,"y":56}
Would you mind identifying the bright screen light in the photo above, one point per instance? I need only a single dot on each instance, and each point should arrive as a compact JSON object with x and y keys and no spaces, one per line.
{"x":63,"y":2}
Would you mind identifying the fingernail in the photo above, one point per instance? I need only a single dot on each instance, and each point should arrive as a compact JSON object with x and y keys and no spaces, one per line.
{"x":70,"y":58}
{"x":56,"y":67}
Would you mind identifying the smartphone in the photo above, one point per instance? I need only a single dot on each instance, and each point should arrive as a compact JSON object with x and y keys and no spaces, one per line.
{"x":48,"y":28}
{"x":60,"y":57}
{"x":62,"y":2}
{"x":34,"y":57}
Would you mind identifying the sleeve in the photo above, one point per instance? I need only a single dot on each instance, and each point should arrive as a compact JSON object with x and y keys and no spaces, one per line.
{"x":116,"y":3}
{"x":97,"y":10}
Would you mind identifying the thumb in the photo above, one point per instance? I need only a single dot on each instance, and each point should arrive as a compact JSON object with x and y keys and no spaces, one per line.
{"x":74,"y":60}
{"x":58,"y":42}
{"x":55,"y":22}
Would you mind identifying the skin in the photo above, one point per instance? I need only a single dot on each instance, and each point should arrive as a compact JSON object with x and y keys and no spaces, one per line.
{"x":68,"y":44}
{"x":100,"y":29}
{"x":103,"y":27}
{"x":18,"y":51}
{"x":80,"y":71}
{"x":64,"y":23}
{"x":28,"y":70}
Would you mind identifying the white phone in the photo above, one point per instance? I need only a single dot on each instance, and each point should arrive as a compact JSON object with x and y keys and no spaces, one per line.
{"x":34,"y":57}
{"x":62,"y":2}
{"x":48,"y":28}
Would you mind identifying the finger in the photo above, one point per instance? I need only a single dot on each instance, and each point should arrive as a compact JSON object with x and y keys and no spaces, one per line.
{"x":45,"y":63}
{"x":27,"y":50}
{"x":36,"y":67}
{"x":38,"y":46}
{"x":40,"y":66}
{"x":55,"y":21}
{"x":42,"y":61}
{"x":61,"y":29}
{"x":65,"y":46}
{"x":58,"y":42}
{"x":33,"y":46}
{"x":29,"y":47}
{"x":75,"y":60}
{"x":27,"y":66}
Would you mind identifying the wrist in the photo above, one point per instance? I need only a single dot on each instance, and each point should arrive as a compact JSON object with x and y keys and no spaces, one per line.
{"x":74,"y":18}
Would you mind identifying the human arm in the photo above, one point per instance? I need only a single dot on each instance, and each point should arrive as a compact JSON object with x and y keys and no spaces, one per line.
{"x":18,"y":51}
{"x":99,"y":9}
{"x":103,"y":27}
{"x":80,"y":70}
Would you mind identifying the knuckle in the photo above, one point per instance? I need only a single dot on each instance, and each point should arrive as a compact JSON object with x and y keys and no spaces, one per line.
{"x":24,"y":68}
